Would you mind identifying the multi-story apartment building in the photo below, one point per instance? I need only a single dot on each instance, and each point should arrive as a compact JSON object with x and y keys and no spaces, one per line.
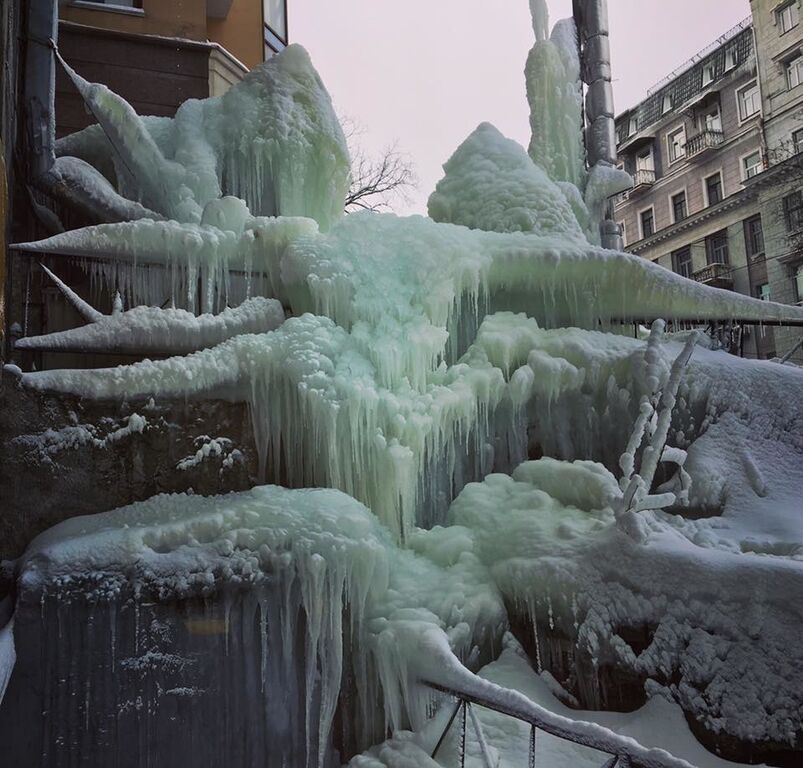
{"x":779,"y":49}
{"x":696,"y":146}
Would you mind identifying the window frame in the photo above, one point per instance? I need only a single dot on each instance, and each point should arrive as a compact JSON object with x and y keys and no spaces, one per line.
{"x":797,"y":141}
{"x":672,"y":196}
{"x":271,"y":39}
{"x":762,"y":295}
{"x":681,"y":129}
{"x":794,"y":11}
{"x":135,"y":9}
{"x":709,"y":247}
{"x":706,"y":195}
{"x":793,"y":214}
{"x":749,"y":238}
{"x":731,"y":58}
{"x":708,"y":71}
{"x":703,"y":118}
{"x":753,"y":84}
{"x":690,"y":262}
{"x":641,"y":221}
{"x":743,"y":171}
{"x":794,"y":64}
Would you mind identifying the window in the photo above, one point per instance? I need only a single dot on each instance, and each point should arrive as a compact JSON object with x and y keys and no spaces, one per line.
{"x":679,"y":206}
{"x":274,"y":15}
{"x":716,"y":248}
{"x":632,"y":125}
{"x":794,"y":72}
{"x":713,"y":189}
{"x":666,"y":104}
{"x":787,"y":16}
{"x":708,"y":74}
{"x":749,"y":101}
{"x":118,"y":3}
{"x":622,"y":232}
{"x":754,"y":237}
{"x":681,"y":262}
{"x":711,"y":120}
{"x":763,"y":291}
{"x":647,"y":219}
{"x":644,"y":160}
{"x":752,"y":165}
{"x":793,"y":211}
{"x":799,"y":283}
{"x":731,"y":59}
{"x":676,"y":142}
{"x":797,"y":141}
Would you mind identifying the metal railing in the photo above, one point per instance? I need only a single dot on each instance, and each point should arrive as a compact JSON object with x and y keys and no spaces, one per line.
{"x":700,"y":55}
{"x":643,"y":177}
{"x":707,"y":139}
{"x":716,"y":272}
{"x":624,"y":752}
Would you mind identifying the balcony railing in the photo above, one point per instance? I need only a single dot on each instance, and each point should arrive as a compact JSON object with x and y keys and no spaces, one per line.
{"x":703,"y":141}
{"x":716,"y":274}
{"x":643,"y":177}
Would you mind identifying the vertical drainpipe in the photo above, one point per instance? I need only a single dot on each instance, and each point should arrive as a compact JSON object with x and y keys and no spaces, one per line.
{"x":40,"y":87}
{"x":591,"y":20}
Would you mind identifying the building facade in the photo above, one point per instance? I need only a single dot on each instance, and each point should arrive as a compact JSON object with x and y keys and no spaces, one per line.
{"x":697,"y":148}
{"x":779,"y":49}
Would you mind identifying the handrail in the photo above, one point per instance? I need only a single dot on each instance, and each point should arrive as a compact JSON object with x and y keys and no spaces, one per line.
{"x":708,"y":138}
{"x":625,"y":751}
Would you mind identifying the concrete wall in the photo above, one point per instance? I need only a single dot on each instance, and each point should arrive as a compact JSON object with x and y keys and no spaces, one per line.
{"x":240,"y":32}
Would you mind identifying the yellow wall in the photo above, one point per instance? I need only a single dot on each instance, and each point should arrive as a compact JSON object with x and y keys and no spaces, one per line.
{"x":240,"y":33}
{"x":171,"y":18}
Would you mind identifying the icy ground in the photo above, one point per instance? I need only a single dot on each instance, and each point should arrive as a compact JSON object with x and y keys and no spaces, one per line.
{"x":475,"y":446}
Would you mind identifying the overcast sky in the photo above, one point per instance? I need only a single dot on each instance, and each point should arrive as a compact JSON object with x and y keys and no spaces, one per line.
{"x":425,"y":73}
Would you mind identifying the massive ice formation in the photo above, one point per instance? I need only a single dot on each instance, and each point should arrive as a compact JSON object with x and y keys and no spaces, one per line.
{"x":522,"y":462}
{"x":490,"y":183}
{"x":272,"y":140}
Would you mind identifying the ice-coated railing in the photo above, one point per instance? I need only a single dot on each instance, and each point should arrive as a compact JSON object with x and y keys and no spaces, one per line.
{"x":625,"y":752}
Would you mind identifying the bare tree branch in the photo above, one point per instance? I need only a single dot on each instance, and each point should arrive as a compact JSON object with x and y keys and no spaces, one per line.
{"x":376,"y":180}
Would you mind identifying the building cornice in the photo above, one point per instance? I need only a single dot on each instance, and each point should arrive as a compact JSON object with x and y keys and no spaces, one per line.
{"x":737,"y":200}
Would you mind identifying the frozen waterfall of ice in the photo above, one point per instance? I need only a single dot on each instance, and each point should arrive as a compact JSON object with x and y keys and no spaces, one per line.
{"x":459,"y":392}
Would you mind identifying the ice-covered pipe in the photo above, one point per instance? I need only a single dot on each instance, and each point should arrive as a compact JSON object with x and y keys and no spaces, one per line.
{"x":591,"y":19}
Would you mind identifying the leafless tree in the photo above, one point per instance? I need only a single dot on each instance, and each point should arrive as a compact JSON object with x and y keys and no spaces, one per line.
{"x":377,"y":181}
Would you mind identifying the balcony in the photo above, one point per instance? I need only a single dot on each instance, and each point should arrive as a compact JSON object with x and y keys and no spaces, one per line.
{"x":703,"y":142}
{"x":643,"y":179}
{"x":716,"y":275}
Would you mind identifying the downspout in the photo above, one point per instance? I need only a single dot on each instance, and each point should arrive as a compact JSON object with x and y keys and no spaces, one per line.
{"x":591,"y":20}
{"x":760,"y":80}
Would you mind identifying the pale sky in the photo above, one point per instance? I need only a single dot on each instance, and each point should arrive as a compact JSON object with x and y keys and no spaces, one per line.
{"x":424,"y":74}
